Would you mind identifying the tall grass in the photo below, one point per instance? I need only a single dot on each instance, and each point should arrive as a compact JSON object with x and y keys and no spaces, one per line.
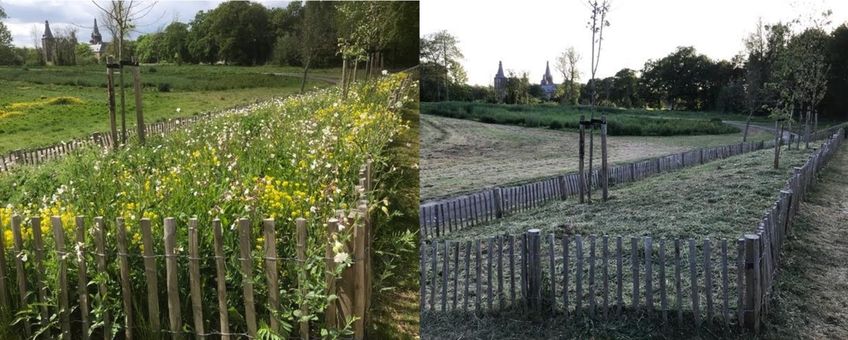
{"x":282,"y":159}
{"x":619,"y":122}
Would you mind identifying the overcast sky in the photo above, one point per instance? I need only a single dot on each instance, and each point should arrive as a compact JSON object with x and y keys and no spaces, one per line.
{"x":524,"y":34}
{"x":80,"y":14}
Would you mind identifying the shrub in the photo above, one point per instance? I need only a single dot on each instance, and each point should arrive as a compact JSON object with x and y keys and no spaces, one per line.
{"x":164,"y":87}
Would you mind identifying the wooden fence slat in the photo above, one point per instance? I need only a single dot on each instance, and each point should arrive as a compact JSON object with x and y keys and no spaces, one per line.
{"x":221,"y":280}
{"x":478,"y":284}
{"x":171,"y":278}
{"x":578,"y":275}
{"x":500,"y":273}
{"x":724,"y":284}
{"x":272,"y":274}
{"x":194,"y":278}
{"x":677,"y":282}
{"x":247,"y":275}
{"x":100,"y":245}
{"x":38,"y":257}
{"x":150,"y":275}
{"x":708,"y":278}
{"x":511,"y":268}
{"x":634,"y":262}
{"x":619,"y":271}
{"x":126,"y":286}
{"x":82,"y":278}
{"x":693,"y":273}
{"x":606,"y":276}
{"x":552,"y":269}
{"x":5,"y":306}
{"x":649,"y":287}
{"x":433,"y":278}
{"x":592,"y":276}
{"x":565,"y":262}
{"x":663,"y":294}
{"x":300,"y":225}
{"x":466,"y":296}
{"x":456,"y":273}
{"x":489,"y":250}
{"x":20,"y":269}
{"x":445,"y":275}
{"x":62,"y":262}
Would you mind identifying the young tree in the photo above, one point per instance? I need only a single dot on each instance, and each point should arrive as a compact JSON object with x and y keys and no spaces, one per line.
{"x":755,"y":72}
{"x":7,"y":54}
{"x":440,"y":58}
{"x":597,"y":22}
{"x":318,"y":34}
{"x":120,"y":18}
{"x":566,"y":63}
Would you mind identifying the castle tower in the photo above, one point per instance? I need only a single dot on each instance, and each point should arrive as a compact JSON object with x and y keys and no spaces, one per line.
{"x":500,"y":83}
{"x":96,"y":38}
{"x":548,"y":86}
{"x":48,"y":45}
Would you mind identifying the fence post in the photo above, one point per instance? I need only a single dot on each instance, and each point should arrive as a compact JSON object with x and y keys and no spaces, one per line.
{"x":126,"y":287}
{"x":752,"y":284}
{"x":150,"y":275}
{"x":247,"y":275}
{"x":496,"y":194}
{"x":271,"y":273}
{"x":534,"y":270}
{"x":174,"y":314}
{"x":64,"y":313}
{"x":300,"y":223}
{"x":581,"y":179}
{"x":100,"y":244}
{"x":110,"y":92}
{"x":563,"y":188}
{"x":220,"y":272}
{"x":331,"y":313}
{"x":194,"y":277}
{"x":139,"y":115}
{"x":4,"y":296}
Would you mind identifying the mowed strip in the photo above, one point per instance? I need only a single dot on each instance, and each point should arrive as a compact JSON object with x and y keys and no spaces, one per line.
{"x":721,"y":199}
{"x":813,"y":285}
{"x":460,"y":156}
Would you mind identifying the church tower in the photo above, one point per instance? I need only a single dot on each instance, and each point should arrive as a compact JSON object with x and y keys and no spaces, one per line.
{"x":48,"y":45}
{"x":500,"y":83}
{"x":96,"y":38}
{"x":548,"y":86}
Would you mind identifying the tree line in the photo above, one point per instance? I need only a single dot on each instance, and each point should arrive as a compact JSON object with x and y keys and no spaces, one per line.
{"x":785,"y":71}
{"x":310,"y":33}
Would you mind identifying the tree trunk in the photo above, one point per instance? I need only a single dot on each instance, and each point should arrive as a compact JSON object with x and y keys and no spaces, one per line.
{"x":747,"y":124}
{"x":355,"y":66}
{"x":123,"y":92}
{"x":777,"y":139}
{"x":305,"y":73}
{"x":344,"y":79}
{"x":807,"y":128}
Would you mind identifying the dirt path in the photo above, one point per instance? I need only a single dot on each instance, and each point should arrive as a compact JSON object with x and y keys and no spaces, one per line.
{"x":757,"y":127}
{"x":812,"y":291}
{"x":459,"y":156}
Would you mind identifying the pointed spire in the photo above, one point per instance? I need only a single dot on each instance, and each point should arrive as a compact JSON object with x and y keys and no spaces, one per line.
{"x":47,"y":33}
{"x":500,"y":70}
{"x":547,"y":69}
{"x":96,"y":38}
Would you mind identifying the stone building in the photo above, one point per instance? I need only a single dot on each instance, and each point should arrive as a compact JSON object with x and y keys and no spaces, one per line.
{"x":48,"y":46}
{"x":500,"y":83}
{"x":96,"y":44}
{"x":548,"y":86}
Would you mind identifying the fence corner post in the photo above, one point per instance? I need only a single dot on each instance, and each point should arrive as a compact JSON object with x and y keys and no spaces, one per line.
{"x":534,"y":270}
{"x":752,"y":282}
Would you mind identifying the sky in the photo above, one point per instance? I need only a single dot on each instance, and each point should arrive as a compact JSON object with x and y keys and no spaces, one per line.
{"x":80,"y":14}
{"x":525,"y":34}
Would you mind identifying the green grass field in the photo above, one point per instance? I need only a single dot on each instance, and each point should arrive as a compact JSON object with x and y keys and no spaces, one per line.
{"x":721,"y":199}
{"x":621,"y":122}
{"x":42,"y":106}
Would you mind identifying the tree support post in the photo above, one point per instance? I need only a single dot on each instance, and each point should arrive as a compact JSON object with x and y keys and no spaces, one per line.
{"x":604,"y":168}
{"x":582,"y":152}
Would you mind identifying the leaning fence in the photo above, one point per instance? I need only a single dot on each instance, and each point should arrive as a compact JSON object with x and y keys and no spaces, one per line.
{"x":710,"y":281}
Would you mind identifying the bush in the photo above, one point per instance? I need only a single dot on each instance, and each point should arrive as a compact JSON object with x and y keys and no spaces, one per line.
{"x":151,"y":70}
{"x":555,"y":125}
{"x":164,"y":87}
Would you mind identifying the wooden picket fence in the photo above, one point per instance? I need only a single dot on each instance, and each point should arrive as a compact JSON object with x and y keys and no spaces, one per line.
{"x":442,"y":217}
{"x":708,"y":281}
{"x":73,"y":307}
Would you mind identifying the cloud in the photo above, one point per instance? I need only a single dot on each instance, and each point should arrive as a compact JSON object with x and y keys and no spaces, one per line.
{"x":80,"y":14}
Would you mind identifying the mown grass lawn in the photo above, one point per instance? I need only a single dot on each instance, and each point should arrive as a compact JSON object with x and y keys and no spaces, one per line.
{"x":721,"y":199}
{"x":28,"y":118}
